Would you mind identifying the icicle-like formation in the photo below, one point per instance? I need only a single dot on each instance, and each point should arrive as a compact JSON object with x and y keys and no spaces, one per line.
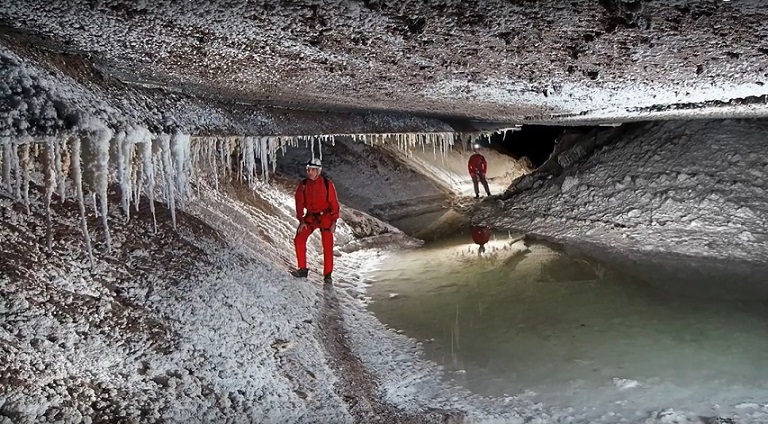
{"x":224,"y":155}
{"x":25,"y":165}
{"x":214,"y":163}
{"x":6,"y":144}
{"x":168,"y":174}
{"x":158,"y":156}
{"x":124,"y":148}
{"x":180,"y":153}
{"x":128,"y":153}
{"x":264,"y":155}
{"x":249,"y":159}
{"x":275,"y":144}
{"x":231,"y":148}
{"x":16,"y":169}
{"x":312,"y":148}
{"x":240,"y":153}
{"x":99,"y":146}
{"x":5,"y":170}
{"x":58,"y":152}
{"x":50,"y":172}
{"x":211,"y":145}
{"x":148,"y":177}
{"x":133,"y":176}
{"x":95,"y":203}
{"x":137,"y":177}
{"x":78,"y":181}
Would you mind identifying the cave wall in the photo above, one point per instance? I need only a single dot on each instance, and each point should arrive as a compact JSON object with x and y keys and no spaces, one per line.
{"x":687,"y":187}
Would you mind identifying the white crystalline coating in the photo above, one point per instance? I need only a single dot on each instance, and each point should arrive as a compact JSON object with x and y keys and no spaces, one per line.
{"x":6,"y":144}
{"x":167,"y":172}
{"x":273,"y":146}
{"x":99,"y":138}
{"x":229,"y":148}
{"x":148,"y":177}
{"x":249,"y":157}
{"x":78,"y":182}
{"x":157,"y":160}
{"x":441,"y":142}
{"x":311,"y":144}
{"x":16,"y":170}
{"x":138,"y":182}
{"x":214,"y":161}
{"x":58,"y":154}
{"x":264,"y":155}
{"x":25,"y":165}
{"x":128,"y":151}
{"x":138,"y":142}
{"x":180,"y":153}
{"x":95,"y":204}
{"x":611,"y":98}
{"x":123,"y":150}
{"x":50,"y":174}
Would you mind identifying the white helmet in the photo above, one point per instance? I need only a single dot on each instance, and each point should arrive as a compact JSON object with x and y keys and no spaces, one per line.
{"x":314,"y":163}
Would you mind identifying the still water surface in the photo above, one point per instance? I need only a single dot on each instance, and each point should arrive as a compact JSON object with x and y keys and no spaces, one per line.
{"x":575,"y":332}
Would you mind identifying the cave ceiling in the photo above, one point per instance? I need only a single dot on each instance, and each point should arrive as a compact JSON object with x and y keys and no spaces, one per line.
{"x":492,"y":60}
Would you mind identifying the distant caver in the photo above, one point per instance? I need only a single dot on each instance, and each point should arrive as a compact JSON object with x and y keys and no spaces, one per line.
{"x":477,"y":167}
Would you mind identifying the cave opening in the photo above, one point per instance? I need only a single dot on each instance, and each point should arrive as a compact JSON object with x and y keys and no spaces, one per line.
{"x":535,"y":142}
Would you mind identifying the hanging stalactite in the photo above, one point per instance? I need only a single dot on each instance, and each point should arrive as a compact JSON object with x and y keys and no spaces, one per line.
{"x":78,"y":183}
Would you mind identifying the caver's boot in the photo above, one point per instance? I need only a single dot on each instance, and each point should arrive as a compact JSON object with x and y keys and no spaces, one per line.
{"x":328,"y":279}
{"x":300,"y":273}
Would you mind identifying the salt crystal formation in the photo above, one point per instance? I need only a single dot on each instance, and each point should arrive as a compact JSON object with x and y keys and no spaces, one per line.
{"x":160,"y":166}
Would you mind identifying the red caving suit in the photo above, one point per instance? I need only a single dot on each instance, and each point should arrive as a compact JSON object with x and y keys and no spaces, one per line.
{"x":322,"y":211}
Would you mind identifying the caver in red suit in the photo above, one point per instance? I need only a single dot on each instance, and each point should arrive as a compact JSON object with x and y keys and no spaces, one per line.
{"x":317,"y":207}
{"x":477,"y":167}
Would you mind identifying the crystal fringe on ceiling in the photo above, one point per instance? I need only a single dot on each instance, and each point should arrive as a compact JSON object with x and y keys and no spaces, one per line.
{"x":161,"y":167}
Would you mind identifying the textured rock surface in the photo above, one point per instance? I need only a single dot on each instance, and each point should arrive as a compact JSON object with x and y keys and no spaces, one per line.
{"x":491,"y":60}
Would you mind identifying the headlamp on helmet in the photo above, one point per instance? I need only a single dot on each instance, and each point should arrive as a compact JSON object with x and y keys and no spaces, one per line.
{"x":314,"y":163}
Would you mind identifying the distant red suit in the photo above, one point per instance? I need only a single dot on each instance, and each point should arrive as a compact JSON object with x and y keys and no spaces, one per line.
{"x":477,"y":167}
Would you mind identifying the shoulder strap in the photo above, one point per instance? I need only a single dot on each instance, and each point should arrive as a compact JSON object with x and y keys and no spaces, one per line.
{"x":327,"y":191}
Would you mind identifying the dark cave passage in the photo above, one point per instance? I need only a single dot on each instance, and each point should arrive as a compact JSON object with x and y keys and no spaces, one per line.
{"x":536,"y":142}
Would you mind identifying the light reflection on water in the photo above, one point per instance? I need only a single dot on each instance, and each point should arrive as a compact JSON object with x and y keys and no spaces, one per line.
{"x":572,"y":332}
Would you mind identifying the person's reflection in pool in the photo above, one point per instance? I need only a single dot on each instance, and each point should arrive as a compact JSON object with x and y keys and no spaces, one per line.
{"x":481,"y":235}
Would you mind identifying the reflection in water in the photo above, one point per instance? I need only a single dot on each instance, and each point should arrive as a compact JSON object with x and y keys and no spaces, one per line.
{"x":573,"y":332}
